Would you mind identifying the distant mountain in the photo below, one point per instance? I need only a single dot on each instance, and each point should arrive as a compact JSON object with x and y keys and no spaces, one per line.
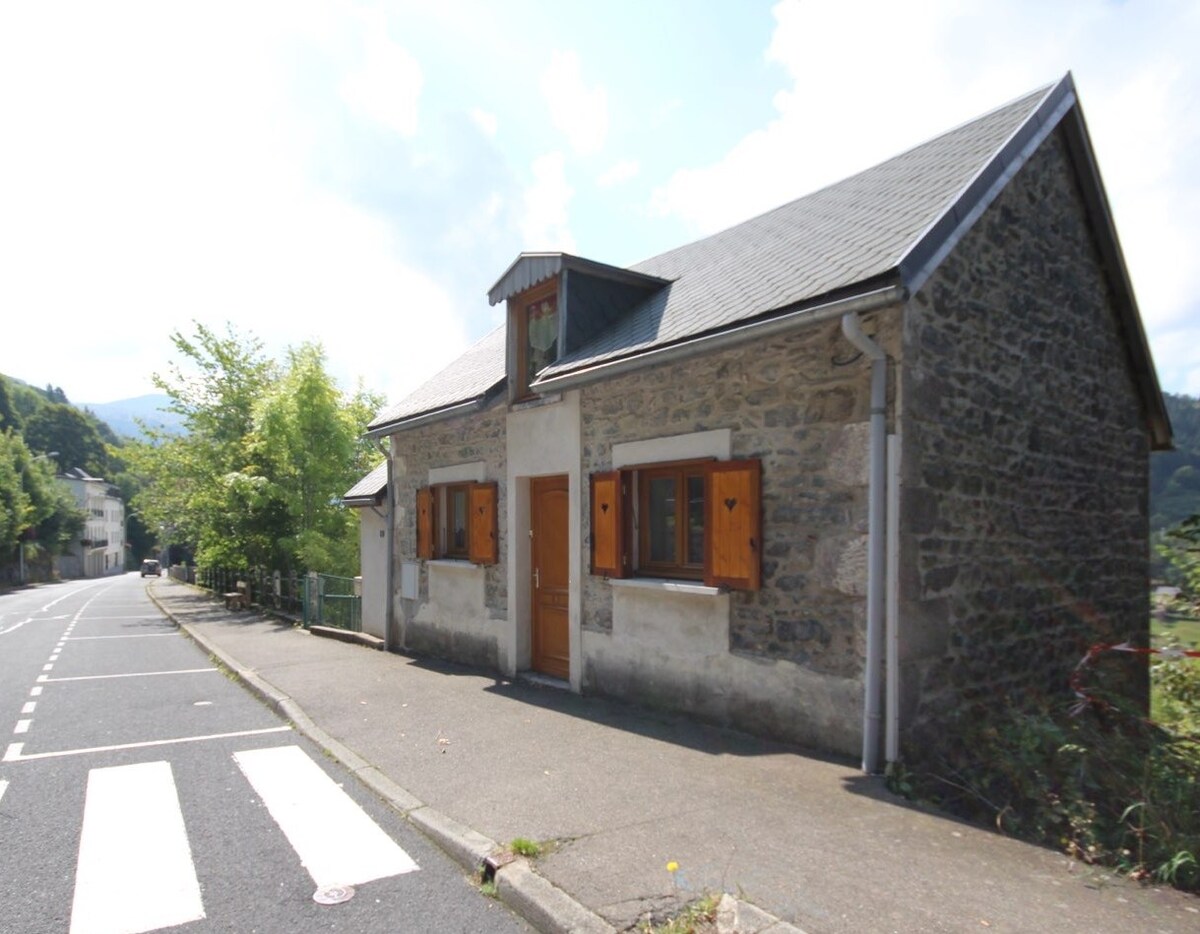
{"x":150,"y":409}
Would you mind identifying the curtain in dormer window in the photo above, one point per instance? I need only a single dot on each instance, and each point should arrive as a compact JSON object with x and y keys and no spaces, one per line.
{"x":541,"y":335}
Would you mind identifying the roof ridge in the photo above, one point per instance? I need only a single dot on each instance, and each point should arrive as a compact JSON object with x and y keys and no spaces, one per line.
{"x":1040,"y":92}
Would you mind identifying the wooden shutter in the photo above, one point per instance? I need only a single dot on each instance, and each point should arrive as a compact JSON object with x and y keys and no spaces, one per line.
{"x":425,"y":522}
{"x":733,"y":539}
{"x":483,"y":544}
{"x":610,"y":556}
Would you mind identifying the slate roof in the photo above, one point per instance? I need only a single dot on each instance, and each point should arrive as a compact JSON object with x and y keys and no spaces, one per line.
{"x":852,"y":232}
{"x":470,"y":378}
{"x":368,"y":490}
{"x":887,"y":226}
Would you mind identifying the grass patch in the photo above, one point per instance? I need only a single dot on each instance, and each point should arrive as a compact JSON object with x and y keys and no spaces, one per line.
{"x":527,"y":848}
{"x":1175,"y":629}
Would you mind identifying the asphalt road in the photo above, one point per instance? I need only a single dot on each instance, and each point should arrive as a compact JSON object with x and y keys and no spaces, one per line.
{"x":140,"y":789}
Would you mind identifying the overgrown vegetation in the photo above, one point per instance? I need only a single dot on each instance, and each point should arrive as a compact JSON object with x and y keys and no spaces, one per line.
{"x":1094,"y":779}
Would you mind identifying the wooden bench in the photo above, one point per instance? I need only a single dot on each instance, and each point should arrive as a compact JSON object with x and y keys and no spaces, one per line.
{"x":238,"y":599}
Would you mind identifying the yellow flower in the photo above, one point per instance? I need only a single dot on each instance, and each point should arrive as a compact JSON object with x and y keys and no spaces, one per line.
{"x":672,"y":866}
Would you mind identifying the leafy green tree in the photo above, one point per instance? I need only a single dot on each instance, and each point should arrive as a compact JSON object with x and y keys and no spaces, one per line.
{"x":33,"y":505}
{"x":14,"y":501}
{"x":9,"y":418}
{"x":255,"y":481}
{"x":307,"y":440}
{"x":65,"y":429}
{"x":191,"y":483}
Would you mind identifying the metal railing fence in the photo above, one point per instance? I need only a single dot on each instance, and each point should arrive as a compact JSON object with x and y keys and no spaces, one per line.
{"x":317,"y":599}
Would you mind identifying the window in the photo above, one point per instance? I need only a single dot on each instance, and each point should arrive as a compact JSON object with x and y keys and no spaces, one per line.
{"x":537,"y":334}
{"x":697,"y":520}
{"x":670,"y":520}
{"x":458,"y":520}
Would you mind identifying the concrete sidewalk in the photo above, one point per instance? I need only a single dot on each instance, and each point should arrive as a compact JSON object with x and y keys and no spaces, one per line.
{"x":478,"y":760}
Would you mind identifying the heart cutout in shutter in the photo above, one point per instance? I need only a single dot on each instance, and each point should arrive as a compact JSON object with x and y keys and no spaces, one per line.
{"x":730,"y":503}
{"x":604,"y":508}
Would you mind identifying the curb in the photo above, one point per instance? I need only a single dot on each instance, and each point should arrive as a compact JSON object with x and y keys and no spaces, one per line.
{"x":534,"y":898}
{"x":543,"y":905}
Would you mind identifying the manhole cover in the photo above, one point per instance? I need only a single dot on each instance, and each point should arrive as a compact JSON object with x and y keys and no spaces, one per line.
{"x":333,"y":894}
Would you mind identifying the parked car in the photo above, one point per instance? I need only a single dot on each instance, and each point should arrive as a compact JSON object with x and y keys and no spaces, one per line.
{"x":150,"y":566}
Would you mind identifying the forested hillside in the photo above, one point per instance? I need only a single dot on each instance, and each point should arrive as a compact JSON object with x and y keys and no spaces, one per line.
{"x":1175,"y":475}
{"x":41,"y":434}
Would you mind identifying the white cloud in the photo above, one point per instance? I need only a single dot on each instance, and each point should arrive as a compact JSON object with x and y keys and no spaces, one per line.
{"x":387,"y":88}
{"x":544,"y":222}
{"x":149,"y":189}
{"x":580,"y":112}
{"x":620,"y":172}
{"x":487,"y":122}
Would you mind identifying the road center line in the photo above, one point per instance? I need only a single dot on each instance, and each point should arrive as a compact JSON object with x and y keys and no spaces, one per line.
{"x":132,"y":674}
{"x":3,"y":787}
{"x":14,"y":753}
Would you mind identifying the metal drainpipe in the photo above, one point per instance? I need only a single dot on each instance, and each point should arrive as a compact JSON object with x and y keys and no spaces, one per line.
{"x":876,"y":542}
{"x":389,"y":614}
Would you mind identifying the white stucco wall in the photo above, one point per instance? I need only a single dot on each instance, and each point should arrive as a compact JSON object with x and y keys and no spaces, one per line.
{"x":372,"y":537}
{"x":542,"y":440}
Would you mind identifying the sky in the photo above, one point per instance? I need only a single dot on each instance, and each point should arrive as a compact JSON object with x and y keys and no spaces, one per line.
{"x":360,"y":174}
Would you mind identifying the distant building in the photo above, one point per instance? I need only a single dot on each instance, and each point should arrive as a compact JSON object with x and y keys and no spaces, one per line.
{"x":100,"y":548}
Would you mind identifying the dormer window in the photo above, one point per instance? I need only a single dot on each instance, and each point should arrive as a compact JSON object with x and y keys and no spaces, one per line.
{"x":537,"y":334}
{"x":557,"y":305}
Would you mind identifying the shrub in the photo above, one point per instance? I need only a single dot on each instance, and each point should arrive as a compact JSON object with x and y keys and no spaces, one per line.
{"x":1100,"y":782}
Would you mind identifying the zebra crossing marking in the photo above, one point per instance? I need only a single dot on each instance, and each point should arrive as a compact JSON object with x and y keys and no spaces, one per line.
{"x":337,"y":842}
{"x":135,"y":871}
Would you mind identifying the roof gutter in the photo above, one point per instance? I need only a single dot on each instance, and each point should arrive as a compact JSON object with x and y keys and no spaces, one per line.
{"x":863,"y":302}
{"x":437,"y":415}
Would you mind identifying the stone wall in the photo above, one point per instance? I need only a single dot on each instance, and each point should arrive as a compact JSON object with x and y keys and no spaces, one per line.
{"x":799,"y":402}
{"x":1025,"y":459}
{"x":466,"y":628}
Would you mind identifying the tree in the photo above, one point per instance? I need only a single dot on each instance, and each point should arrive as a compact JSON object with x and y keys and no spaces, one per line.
{"x":33,"y":505}
{"x":191,"y":483}
{"x":68,"y":431}
{"x":256,"y":481}
{"x":9,"y":418}
{"x":14,"y":501}
{"x":307,"y":441}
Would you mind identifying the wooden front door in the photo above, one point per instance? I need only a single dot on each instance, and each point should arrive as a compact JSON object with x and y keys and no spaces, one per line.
{"x":550,"y":515}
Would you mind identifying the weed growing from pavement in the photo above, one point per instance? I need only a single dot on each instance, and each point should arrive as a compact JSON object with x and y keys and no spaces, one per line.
{"x":489,"y":888}
{"x":699,"y":917}
{"x":525,"y":847}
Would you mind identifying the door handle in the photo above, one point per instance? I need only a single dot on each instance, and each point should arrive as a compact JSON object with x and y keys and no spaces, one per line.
{"x":537,"y":580}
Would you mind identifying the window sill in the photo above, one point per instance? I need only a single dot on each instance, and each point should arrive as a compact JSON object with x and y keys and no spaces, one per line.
{"x":666,"y":585}
{"x":461,"y":564}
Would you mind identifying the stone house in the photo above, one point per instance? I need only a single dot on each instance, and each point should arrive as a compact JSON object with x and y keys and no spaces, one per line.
{"x":823,"y":476}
